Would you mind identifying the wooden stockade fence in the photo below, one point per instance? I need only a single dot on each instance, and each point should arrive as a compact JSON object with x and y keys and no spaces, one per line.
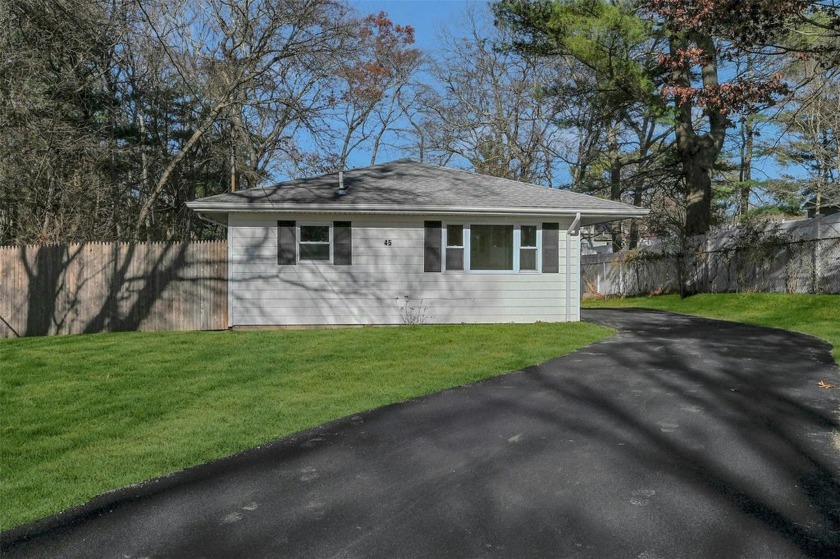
{"x":109,"y":287}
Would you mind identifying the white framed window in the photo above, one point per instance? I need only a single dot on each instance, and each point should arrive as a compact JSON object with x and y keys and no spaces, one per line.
{"x":529,"y":254}
{"x":454,"y":245}
{"x":315,"y":242}
{"x":488,"y":248}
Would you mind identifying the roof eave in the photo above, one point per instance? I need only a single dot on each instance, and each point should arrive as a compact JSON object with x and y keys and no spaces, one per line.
{"x":602,"y":214}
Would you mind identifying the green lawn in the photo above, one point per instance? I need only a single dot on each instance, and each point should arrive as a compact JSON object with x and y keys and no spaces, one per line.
{"x":85,"y":414}
{"x":818,"y":315}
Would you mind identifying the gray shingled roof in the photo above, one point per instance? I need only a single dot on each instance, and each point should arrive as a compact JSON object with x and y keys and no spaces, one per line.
{"x":406,"y":186}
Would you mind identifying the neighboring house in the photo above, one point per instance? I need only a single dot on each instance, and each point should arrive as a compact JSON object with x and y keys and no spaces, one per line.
{"x":404,"y":242}
{"x":810,"y":208}
{"x":595,"y":241}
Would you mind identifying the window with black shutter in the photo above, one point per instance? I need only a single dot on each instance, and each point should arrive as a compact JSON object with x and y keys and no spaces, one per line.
{"x":312,"y":242}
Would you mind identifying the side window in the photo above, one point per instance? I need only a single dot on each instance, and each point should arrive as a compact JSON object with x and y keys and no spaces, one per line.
{"x":454,"y":247}
{"x":314,"y":242}
{"x":528,"y":248}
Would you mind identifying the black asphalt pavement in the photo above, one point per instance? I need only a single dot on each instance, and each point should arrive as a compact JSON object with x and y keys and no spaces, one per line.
{"x":678,"y":437}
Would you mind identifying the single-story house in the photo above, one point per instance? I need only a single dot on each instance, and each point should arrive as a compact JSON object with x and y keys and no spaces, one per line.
{"x":404,"y":242}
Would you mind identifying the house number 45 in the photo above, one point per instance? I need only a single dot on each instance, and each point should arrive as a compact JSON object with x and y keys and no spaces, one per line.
{"x":387,"y":242}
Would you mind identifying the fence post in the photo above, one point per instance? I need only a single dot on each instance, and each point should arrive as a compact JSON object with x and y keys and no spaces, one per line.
{"x":707,"y":257}
{"x":621,"y":285}
{"x":815,"y":282}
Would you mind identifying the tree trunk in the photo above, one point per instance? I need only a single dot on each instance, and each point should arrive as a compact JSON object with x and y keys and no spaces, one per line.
{"x":745,"y":175}
{"x":818,"y":194}
{"x":633,"y":242}
{"x":698,"y":178}
{"x":698,"y":153}
{"x":232,"y":164}
{"x":615,"y":185}
{"x":146,"y":210}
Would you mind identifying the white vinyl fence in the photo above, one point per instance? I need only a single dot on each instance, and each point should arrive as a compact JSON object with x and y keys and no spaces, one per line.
{"x":794,"y":257}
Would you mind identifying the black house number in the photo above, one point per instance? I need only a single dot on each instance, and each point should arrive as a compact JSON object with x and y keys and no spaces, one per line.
{"x":387,"y":242}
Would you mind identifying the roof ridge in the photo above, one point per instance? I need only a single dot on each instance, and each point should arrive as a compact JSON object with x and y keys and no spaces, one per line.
{"x":518,"y":182}
{"x":408,"y":160}
{"x":322,"y":175}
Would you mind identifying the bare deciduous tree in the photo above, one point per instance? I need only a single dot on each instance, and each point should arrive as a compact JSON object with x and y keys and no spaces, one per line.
{"x":489,"y":109}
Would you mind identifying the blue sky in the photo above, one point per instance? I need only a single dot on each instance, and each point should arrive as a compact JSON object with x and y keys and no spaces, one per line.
{"x":430,"y":17}
{"x":427,"y":17}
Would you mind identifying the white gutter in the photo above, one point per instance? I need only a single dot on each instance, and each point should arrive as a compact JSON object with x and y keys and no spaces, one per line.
{"x":573,"y":229}
{"x":209,"y":219}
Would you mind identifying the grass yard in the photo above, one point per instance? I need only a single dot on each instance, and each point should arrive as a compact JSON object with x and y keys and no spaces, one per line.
{"x":818,"y":315}
{"x":82,"y":415}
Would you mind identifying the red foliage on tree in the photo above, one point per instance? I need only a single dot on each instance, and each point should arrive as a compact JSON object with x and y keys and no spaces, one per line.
{"x":703,"y":37}
{"x":728,"y":27}
{"x":745,"y":22}
{"x":384,"y":52}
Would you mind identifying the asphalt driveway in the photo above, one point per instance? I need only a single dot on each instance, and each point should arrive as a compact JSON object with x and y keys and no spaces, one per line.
{"x":679,"y":437}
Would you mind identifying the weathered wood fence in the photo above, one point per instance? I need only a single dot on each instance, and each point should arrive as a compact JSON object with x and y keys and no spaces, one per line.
{"x":109,"y":287}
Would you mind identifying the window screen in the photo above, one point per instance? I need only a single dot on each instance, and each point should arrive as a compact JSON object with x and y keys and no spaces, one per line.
{"x":491,"y":247}
{"x":314,"y":242}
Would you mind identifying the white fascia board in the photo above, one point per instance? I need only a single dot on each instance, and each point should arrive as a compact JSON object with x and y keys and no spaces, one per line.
{"x":591,"y":215}
{"x":603,"y":217}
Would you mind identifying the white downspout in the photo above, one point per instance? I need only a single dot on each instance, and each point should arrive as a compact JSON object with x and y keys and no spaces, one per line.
{"x":573,"y":229}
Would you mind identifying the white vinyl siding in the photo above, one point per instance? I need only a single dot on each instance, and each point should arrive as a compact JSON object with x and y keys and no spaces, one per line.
{"x":374,"y":289}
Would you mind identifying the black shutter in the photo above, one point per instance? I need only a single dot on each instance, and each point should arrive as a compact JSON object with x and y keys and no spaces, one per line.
{"x":342,"y":243}
{"x":551,"y":248}
{"x":286,"y":243}
{"x":431,"y":246}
